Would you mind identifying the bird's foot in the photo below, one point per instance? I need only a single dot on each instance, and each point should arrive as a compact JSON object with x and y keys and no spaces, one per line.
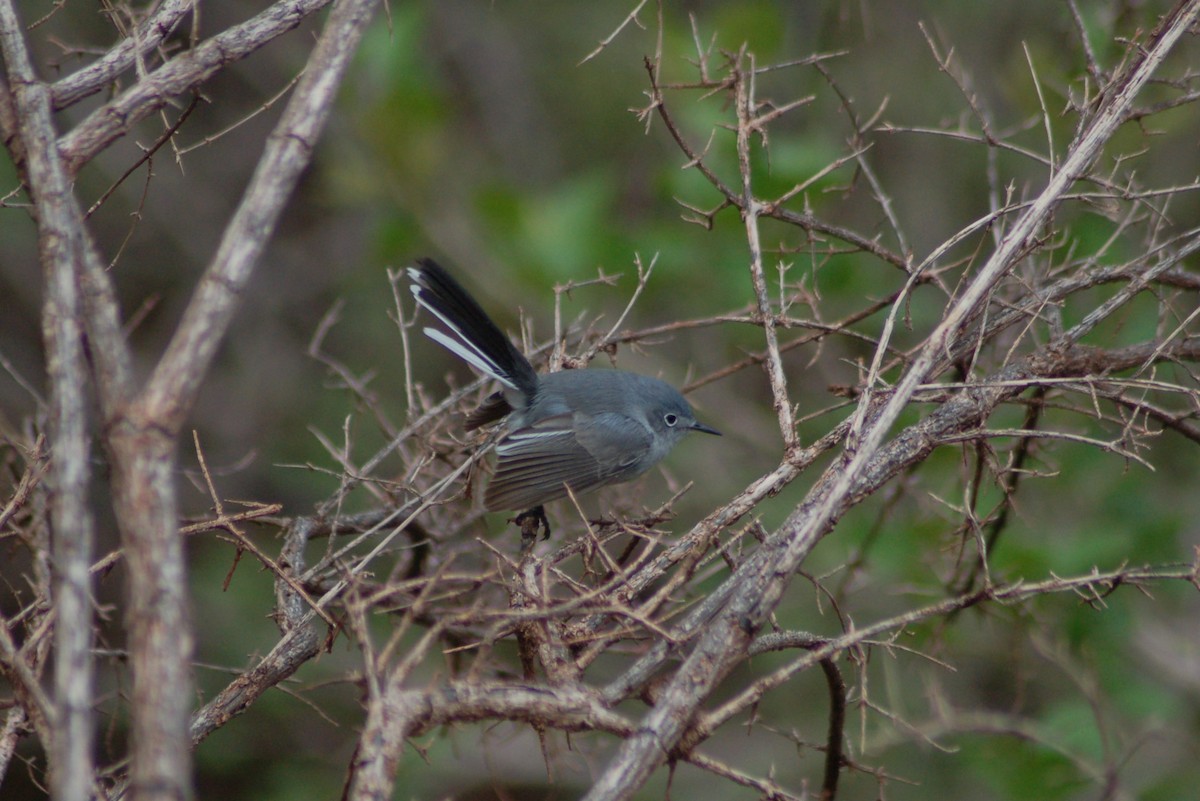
{"x":531,"y":521}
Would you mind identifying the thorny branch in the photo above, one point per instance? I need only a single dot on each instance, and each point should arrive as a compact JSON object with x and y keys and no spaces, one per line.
{"x":622,"y":628}
{"x":141,"y":426}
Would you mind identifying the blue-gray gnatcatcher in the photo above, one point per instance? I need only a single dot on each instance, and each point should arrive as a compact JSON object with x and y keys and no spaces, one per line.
{"x":577,"y":429}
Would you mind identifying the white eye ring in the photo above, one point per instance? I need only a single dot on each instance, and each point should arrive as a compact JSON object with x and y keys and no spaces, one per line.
{"x":671,"y":420}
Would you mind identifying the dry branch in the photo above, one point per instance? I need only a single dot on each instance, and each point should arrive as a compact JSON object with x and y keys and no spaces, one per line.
{"x":622,"y":628}
{"x":181,"y":74}
{"x":759,"y":584}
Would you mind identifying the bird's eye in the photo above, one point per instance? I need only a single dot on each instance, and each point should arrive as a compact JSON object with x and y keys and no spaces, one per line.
{"x":671,"y":419}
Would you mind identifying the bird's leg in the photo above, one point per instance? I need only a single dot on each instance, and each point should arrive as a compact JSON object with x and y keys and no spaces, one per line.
{"x":530,"y":521}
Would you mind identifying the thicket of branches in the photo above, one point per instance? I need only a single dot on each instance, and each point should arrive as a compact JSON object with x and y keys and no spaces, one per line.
{"x":642,"y":640}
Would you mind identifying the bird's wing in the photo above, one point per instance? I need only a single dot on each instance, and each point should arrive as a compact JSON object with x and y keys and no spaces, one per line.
{"x":536,"y":463}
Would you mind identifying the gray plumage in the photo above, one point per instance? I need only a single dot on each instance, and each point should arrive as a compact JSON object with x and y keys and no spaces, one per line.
{"x":582,"y":429}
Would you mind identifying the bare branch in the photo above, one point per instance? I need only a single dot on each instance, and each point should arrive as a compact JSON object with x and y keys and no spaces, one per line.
{"x":149,"y":35}
{"x":179,"y":75}
{"x":177,"y":378}
{"x":725,"y":637}
{"x":62,"y":244}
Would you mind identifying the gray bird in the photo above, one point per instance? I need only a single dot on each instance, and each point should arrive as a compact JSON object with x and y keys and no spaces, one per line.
{"x":577,"y":429}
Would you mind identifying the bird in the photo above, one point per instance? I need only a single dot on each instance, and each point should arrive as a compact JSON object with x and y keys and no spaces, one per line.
{"x":568,"y":431}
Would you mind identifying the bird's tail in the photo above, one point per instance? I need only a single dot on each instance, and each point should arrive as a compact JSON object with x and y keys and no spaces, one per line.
{"x":476,"y":339}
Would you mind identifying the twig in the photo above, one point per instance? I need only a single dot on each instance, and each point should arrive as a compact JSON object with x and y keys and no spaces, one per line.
{"x":744,"y":103}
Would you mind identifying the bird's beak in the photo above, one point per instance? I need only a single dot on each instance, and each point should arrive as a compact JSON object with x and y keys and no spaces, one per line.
{"x":705,"y":429}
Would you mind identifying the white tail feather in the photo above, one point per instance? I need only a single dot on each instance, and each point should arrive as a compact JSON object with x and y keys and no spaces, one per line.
{"x":459,"y":344}
{"x":463,"y":349}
